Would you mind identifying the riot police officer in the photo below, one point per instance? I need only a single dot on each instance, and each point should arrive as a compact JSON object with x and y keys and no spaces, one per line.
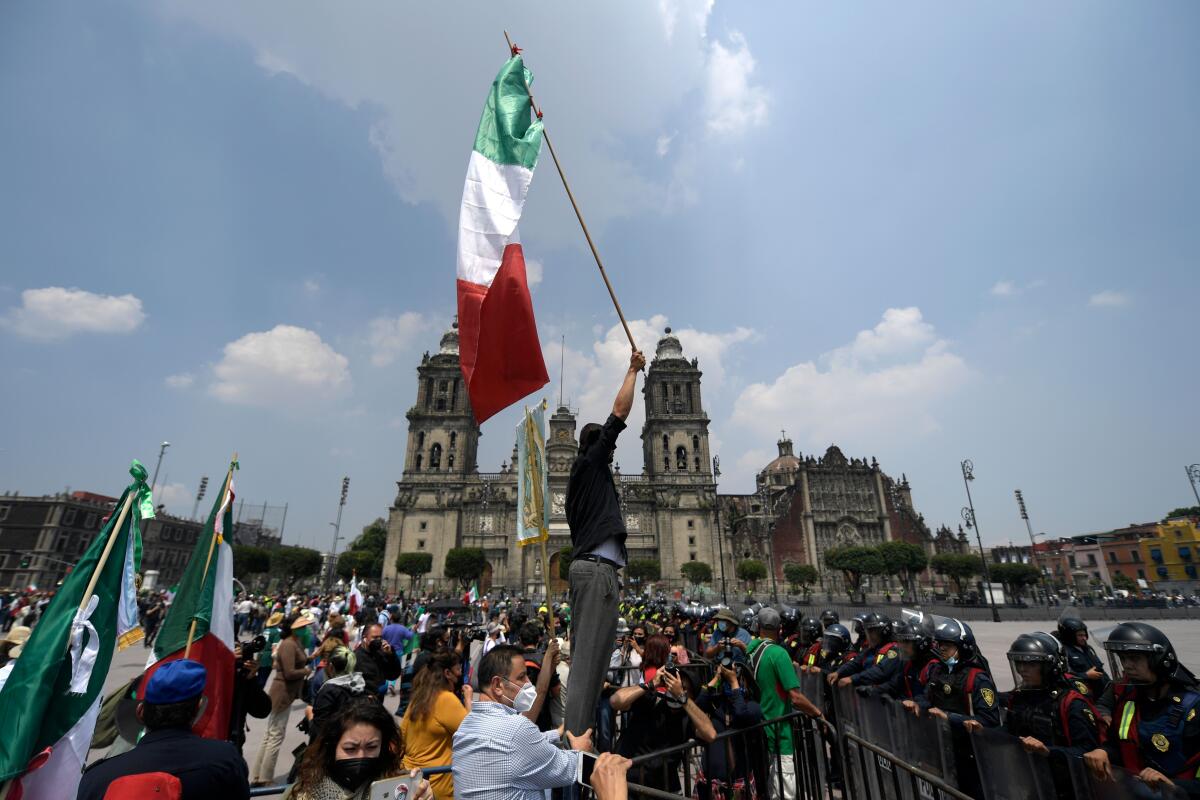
{"x":1082,"y":661}
{"x":835,"y":643}
{"x":1155,"y":732}
{"x":789,"y":634}
{"x":811,"y":634}
{"x":918,"y":663}
{"x":880,"y":661}
{"x":962,"y":693}
{"x":829,"y":617}
{"x":1046,"y":709}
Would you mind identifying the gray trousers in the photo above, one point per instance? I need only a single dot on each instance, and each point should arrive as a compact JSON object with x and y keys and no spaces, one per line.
{"x":594,"y":595}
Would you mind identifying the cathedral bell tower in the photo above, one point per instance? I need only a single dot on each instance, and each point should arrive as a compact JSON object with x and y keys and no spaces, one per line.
{"x":443,"y":438}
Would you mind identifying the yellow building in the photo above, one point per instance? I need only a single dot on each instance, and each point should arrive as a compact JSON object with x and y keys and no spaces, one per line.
{"x":1173,"y":554}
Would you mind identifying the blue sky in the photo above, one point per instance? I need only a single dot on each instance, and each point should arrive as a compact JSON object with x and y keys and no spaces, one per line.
{"x":923,"y":233}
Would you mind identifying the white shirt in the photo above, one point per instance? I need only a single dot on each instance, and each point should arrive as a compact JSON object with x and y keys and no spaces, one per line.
{"x":423,"y":623}
{"x":501,"y":755}
{"x":245,"y":607}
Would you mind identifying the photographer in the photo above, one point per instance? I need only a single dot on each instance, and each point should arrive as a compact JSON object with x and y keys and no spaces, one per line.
{"x":248,"y":695}
{"x":377,"y":661}
{"x":729,"y":640}
{"x":662,"y":714}
{"x":626,"y":658}
{"x":729,"y":763}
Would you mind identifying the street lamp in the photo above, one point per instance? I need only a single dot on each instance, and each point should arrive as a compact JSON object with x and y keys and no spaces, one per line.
{"x":1193,"y":473}
{"x":162,"y":449}
{"x":1032,"y":544}
{"x":337,"y":530}
{"x":769,"y":541}
{"x":968,"y":513}
{"x":717,"y":514}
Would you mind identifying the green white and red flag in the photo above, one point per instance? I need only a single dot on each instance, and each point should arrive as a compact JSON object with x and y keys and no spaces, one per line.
{"x":51,"y":695}
{"x":204,"y":599}
{"x":499,"y":350}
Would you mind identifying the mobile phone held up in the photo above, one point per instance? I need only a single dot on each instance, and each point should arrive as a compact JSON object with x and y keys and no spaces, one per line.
{"x":585,"y":774}
{"x":400,"y":788}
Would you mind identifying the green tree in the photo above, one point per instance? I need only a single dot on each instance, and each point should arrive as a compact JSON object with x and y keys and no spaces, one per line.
{"x":465,"y":564}
{"x":1183,"y":511}
{"x":958,"y":567}
{"x":903,"y":560}
{"x":356,"y":562}
{"x":564,"y":563}
{"x":696,"y":572}
{"x":295,"y":563}
{"x":802,"y":575}
{"x":751,"y":571}
{"x":372,"y":542}
{"x":644,"y":569}
{"x":1123,"y":581}
{"x":250,"y":560}
{"x":854,"y":562}
{"x":414,"y":565}
{"x":1015,"y":576}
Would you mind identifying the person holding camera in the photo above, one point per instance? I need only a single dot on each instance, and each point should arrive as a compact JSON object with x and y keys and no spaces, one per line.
{"x":248,"y":695}
{"x":729,"y":765}
{"x":729,"y":640}
{"x":377,"y":661}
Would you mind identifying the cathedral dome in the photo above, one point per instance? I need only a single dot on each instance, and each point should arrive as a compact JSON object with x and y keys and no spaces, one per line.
{"x":786,"y":463}
{"x":668,"y":347}
{"x":449,"y":345}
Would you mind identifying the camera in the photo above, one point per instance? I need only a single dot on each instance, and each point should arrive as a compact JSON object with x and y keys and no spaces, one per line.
{"x":727,"y":655}
{"x":376,"y":645}
{"x":252,"y":648}
{"x":671,"y":668}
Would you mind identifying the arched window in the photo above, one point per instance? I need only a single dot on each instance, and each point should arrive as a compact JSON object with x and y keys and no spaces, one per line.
{"x":666,"y":444}
{"x":453,"y":439}
{"x":450,"y":461}
{"x":681,"y":458}
{"x":421,"y":440}
{"x":417,"y":467}
{"x":697,"y":463}
{"x":695,"y":444}
{"x":537,"y":567}
{"x":666,"y":462}
{"x":435,"y":457}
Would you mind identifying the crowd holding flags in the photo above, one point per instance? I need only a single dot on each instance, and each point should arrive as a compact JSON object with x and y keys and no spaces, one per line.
{"x":51,"y":699}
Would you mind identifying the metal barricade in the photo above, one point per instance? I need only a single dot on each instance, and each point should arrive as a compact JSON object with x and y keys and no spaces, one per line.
{"x":1008,"y":772}
{"x":1123,"y":786}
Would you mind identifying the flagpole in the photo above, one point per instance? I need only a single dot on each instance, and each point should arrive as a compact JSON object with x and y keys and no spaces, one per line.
{"x":212,"y":544}
{"x":578,"y":214}
{"x":108,"y":546}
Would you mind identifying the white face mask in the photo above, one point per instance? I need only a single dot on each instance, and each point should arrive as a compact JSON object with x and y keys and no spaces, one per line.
{"x":525,"y":698}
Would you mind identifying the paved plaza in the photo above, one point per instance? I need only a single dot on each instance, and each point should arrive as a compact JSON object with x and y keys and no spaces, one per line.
{"x":994,"y":637}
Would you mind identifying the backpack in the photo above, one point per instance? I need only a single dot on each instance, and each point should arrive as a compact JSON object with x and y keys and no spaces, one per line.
{"x":752,"y":687}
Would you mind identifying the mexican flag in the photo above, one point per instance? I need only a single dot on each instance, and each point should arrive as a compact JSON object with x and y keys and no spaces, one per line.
{"x":51,"y":699}
{"x":499,"y":351}
{"x":472,"y":595}
{"x":205,"y":596}
{"x":355,"y":599}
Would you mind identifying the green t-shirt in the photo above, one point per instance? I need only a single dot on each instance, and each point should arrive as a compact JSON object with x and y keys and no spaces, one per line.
{"x":272,"y":637}
{"x":775,"y":677}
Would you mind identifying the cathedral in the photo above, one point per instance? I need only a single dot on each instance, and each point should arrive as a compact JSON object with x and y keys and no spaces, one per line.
{"x":443,"y":501}
{"x":802,"y":506}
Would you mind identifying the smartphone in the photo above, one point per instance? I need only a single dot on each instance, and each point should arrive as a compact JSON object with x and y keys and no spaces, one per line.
{"x":585,"y":774}
{"x":403,"y":787}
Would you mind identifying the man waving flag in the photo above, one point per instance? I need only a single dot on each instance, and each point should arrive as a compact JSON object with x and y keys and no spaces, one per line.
{"x":499,"y":351}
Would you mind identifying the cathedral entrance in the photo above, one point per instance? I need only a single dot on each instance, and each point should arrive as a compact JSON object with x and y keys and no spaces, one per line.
{"x":558,"y":585}
{"x":485,"y":578}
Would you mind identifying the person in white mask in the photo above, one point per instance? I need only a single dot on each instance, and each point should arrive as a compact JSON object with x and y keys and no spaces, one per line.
{"x":499,"y":754}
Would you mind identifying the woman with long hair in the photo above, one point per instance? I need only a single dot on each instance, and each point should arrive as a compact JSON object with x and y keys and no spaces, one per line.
{"x":654,"y":656}
{"x":355,"y":748}
{"x":433,"y":715}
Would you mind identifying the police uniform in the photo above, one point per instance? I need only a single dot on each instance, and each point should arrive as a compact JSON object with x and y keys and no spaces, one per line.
{"x":206,"y":768}
{"x":884,"y":663}
{"x":965,"y":692}
{"x":1061,"y":718}
{"x":812,"y":656}
{"x":1163,"y":733}
{"x":1079,"y":661}
{"x":795,"y":648}
{"x":908,"y":682}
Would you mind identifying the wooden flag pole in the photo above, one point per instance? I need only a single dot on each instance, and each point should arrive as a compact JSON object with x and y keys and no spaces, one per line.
{"x":212,"y":545}
{"x":108,"y":546}
{"x":578,"y":215}
{"x":546,"y":575}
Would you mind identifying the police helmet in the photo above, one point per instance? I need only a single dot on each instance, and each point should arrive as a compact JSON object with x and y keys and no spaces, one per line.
{"x":1138,"y":637}
{"x":907,"y":630}
{"x":811,"y":629}
{"x":947,"y":630}
{"x":1037,"y":654}
{"x":829,"y":617}
{"x":791,"y":620}
{"x":835,"y":639}
{"x":879,"y":622}
{"x":1069,"y":627}
{"x":749,"y":620}
{"x":857,"y":623}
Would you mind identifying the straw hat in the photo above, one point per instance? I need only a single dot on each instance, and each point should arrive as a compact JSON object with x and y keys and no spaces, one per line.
{"x":274,"y":620}
{"x":19,"y":635}
{"x":304,"y":619}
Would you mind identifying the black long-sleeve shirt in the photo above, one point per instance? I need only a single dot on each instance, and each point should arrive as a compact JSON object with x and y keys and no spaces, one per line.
{"x":593,"y":508}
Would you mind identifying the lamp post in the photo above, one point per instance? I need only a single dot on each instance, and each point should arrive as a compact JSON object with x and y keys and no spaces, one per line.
{"x":769,"y":540}
{"x":717,"y":514}
{"x":1032,"y":545}
{"x":968,"y":513}
{"x":161,"y":449}
{"x":337,"y":529}
{"x":1193,"y":473}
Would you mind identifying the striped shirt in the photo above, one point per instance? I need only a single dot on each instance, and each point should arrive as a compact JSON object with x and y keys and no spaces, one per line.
{"x":501,"y":755}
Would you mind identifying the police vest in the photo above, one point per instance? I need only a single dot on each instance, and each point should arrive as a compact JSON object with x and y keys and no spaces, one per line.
{"x":883,"y":651}
{"x":915,"y":676}
{"x":952,"y":691}
{"x":1046,"y":716}
{"x":1156,"y":743}
{"x":811,"y":655}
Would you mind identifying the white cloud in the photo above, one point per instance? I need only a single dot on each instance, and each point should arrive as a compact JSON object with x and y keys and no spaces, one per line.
{"x":890,"y":378}
{"x":1004,"y":289}
{"x":311,"y":286}
{"x":1108,"y":299}
{"x":662,"y":145}
{"x":390,"y":337}
{"x":273,"y":65}
{"x":732,"y":103}
{"x":183,"y":380}
{"x":533,"y":272}
{"x":175,"y":496}
{"x":592,"y":379}
{"x":284,"y":366}
{"x":695,"y":11}
{"x":56,"y":313}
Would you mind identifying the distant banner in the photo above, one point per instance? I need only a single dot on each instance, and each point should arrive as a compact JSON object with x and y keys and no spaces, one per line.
{"x":533,"y":483}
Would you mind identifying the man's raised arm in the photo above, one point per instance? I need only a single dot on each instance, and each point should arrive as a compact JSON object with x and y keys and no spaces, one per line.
{"x":624,"y":402}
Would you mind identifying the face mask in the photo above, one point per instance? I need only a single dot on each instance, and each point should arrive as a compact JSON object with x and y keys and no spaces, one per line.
{"x":525,"y":698}
{"x":351,"y":773}
{"x":640,"y":639}
{"x":950,"y":662}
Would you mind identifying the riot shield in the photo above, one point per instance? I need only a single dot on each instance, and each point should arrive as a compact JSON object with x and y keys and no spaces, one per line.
{"x":877,"y":720}
{"x":857,"y":762}
{"x":1007,"y":771}
{"x":1124,"y":786}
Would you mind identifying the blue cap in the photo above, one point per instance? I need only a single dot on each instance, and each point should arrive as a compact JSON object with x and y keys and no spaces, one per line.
{"x":176,"y":682}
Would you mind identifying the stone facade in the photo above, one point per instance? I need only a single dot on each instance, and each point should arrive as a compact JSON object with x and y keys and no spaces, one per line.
{"x":443,"y":501}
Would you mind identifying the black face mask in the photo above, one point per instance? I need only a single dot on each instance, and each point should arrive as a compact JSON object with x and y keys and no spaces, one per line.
{"x":351,"y":773}
{"x":640,"y":639}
